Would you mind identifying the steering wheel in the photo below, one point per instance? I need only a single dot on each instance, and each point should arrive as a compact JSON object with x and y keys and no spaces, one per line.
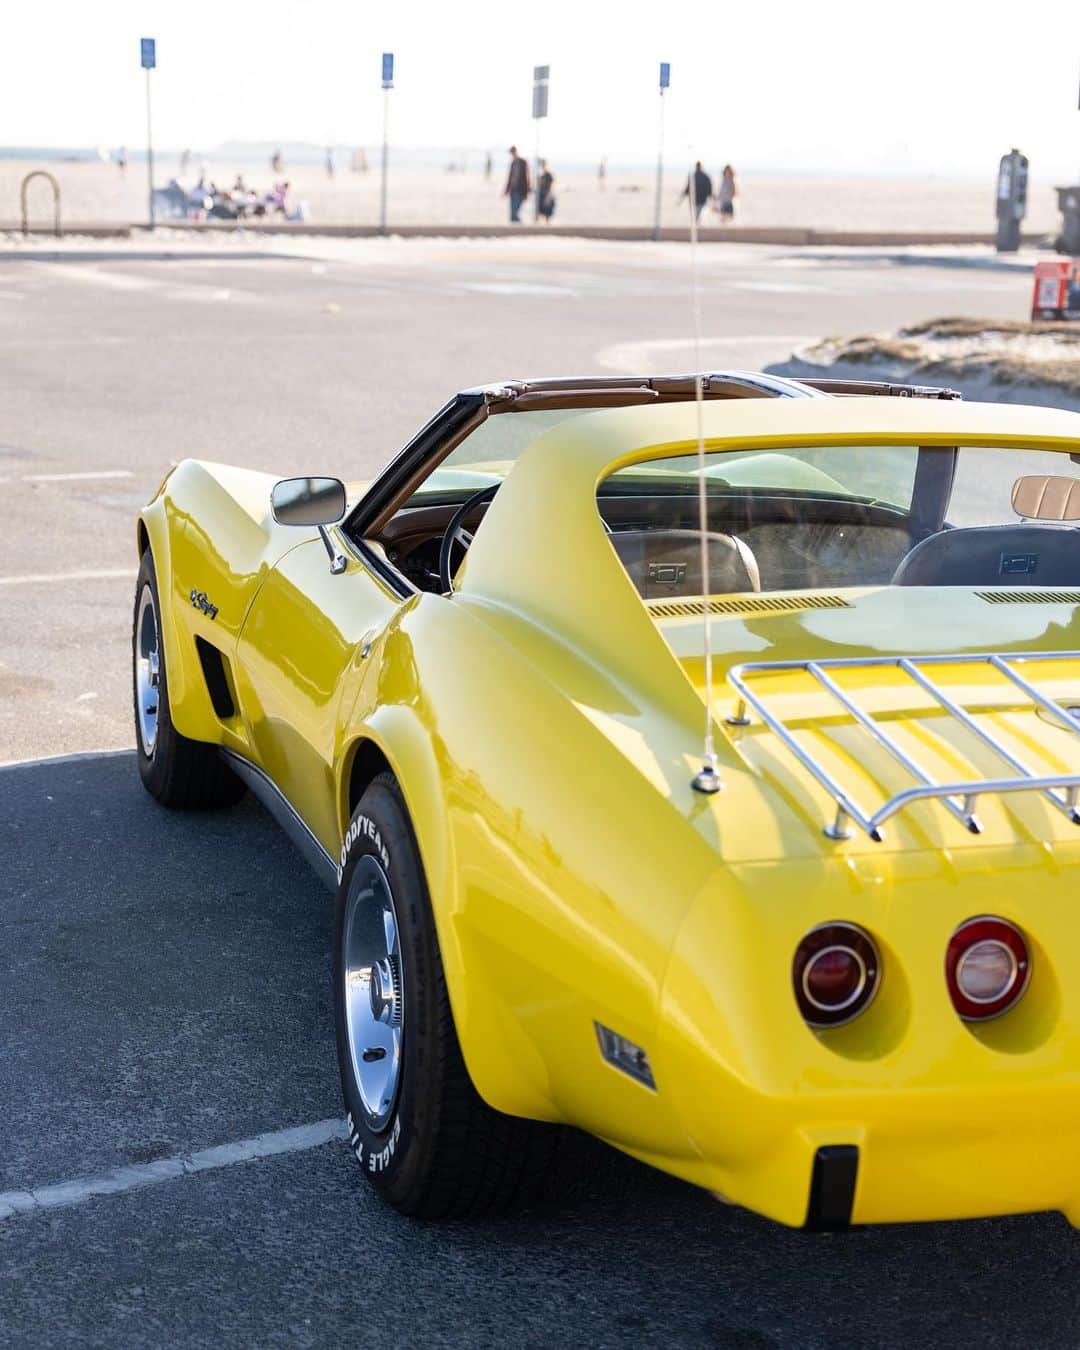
{"x":456,"y":533}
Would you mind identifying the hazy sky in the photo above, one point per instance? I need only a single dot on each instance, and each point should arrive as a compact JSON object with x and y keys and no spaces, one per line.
{"x":942,"y":85}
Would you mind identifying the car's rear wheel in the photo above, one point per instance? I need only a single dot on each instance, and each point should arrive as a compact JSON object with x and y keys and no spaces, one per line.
{"x":421,"y":1132}
{"x":174,"y":769}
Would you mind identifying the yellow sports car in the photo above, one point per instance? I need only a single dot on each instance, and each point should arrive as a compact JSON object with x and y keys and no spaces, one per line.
{"x":702,"y":773}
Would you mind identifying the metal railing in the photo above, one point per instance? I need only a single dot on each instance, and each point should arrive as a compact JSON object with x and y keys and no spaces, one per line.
{"x":959,"y":798}
{"x":24,"y":187}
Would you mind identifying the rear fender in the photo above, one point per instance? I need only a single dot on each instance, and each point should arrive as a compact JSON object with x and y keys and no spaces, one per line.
{"x":504,"y":1067}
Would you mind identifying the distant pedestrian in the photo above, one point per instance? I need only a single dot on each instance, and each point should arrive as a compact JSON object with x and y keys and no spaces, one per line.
{"x":121,"y":158}
{"x":276,"y":161}
{"x":185,"y":162}
{"x":545,"y":196}
{"x":726,"y":194}
{"x":702,"y":186}
{"x":487,"y":167}
{"x":601,"y":174}
{"x":329,"y":161}
{"x":518,"y":184}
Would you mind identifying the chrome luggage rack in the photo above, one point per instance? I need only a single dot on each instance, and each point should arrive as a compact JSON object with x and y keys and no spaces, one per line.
{"x":960,"y":798}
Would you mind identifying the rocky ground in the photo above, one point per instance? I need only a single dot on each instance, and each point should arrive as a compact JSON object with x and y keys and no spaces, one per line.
{"x":1003,"y":361}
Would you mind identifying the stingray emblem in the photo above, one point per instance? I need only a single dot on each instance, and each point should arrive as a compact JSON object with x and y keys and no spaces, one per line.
{"x":199,"y":601}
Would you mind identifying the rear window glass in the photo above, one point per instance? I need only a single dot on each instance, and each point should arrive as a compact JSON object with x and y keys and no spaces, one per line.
{"x":843,"y":516}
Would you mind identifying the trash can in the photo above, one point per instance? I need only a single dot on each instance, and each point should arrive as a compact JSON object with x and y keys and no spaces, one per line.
{"x":1057,"y":290}
{"x":1011,"y":199}
{"x":1069,"y":206}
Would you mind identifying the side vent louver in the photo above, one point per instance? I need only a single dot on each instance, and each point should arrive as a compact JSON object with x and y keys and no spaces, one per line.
{"x":1024,"y":595}
{"x":745,"y":604}
{"x":216,"y":674}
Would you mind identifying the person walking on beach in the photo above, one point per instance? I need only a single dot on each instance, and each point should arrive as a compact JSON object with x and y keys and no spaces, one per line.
{"x":545,"y":197}
{"x":702,"y":187}
{"x":725,"y":195}
{"x":601,"y":174}
{"x":518,"y":185}
{"x":487,"y":167}
{"x":121,"y":158}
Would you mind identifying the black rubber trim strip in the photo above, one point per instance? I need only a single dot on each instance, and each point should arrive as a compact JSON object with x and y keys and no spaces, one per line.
{"x":832,"y":1187}
{"x":286,"y":815}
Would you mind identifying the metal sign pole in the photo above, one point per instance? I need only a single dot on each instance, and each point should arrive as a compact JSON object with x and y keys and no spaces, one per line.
{"x":665,"y":81}
{"x":148,"y":60}
{"x":149,"y":153}
{"x":387,"y":84}
{"x":539,"y":110}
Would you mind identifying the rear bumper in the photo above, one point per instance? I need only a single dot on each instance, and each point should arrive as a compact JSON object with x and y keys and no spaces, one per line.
{"x":951,"y":1120}
{"x":957,"y":1156}
{"x":824,"y":1177}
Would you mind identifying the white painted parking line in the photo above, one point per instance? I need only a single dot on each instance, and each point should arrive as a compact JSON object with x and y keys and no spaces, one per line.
{"x":141,"y":1175}
{"x":50,"y":760}
{"x":94,"y":276}
{"x":77,"y":477}
{"x":42,"y":578}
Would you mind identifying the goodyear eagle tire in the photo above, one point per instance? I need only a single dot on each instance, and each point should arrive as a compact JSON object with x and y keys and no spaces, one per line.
{"x":421,"y":1132}
{"x":175,"y":770}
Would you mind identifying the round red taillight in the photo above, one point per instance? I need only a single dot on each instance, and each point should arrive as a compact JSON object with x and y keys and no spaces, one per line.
{"x":987,"y":967}
{"x":835,"y":973}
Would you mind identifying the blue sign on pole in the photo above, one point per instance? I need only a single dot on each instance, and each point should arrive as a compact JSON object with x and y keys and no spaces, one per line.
{"x":147,"y":53}
{"x":665,"y":74}
{"x":388,"y":70}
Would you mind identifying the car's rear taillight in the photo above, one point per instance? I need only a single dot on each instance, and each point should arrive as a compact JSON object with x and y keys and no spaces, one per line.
{"x":987,"y":967}
{"x":836,"y":972}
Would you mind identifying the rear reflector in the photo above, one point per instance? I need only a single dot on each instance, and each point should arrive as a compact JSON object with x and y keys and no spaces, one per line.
{"x":623,"y":1054}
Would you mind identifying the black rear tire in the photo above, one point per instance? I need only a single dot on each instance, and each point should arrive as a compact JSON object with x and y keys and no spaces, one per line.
{"x":441,"y":1151}
{"x":175,"y":770}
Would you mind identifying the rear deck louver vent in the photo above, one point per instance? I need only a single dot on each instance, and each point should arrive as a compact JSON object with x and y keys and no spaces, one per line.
{"x":745,"y":604}
{"x":1024,"y":595}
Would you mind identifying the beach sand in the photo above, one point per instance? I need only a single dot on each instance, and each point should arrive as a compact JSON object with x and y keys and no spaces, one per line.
{"x":99,"y":192}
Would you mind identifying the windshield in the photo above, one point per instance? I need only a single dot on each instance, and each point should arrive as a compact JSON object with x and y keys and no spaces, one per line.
{"x":840,"y":516}
{"x":487,"y":454}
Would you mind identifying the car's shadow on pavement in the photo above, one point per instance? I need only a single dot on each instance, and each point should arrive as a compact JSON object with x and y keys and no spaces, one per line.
{"x":164,"y":986}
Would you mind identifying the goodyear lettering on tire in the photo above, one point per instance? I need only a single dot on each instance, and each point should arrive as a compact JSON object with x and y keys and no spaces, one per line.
{"x":361,"y":825}
{"x":379,"y":1162}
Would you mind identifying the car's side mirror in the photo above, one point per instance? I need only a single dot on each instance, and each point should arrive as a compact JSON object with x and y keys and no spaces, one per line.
{"x":312,"y":501}
{"x":308,"y":501}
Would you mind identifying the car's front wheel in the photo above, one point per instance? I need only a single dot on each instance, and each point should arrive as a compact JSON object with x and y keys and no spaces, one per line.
{"x":175,"y":769}
{"x":421,"y":1132}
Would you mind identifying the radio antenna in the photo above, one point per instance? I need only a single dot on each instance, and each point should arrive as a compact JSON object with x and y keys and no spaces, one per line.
{"x":707,"y":779}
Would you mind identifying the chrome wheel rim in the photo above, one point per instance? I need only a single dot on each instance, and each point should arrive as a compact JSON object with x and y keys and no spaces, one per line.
{"x":147,"y":670}
{"x":374,"y":980}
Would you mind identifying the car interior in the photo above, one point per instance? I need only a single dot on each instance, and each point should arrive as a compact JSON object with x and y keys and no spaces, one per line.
{"x":793,"y":519}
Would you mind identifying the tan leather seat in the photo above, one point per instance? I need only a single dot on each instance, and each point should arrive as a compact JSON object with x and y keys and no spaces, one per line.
{"x":664,"y":563}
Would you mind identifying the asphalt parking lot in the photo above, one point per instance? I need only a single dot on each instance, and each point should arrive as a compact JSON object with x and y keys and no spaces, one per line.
{"x":164,"y":978}
{"x":165,"y":988}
